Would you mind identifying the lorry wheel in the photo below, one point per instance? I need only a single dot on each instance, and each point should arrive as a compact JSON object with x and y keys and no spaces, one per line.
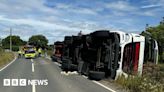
{"x":85,"y":68}
{"x":74,"y":67}
{"x":100,"y":34}
{"x":116,"y":56}
{"x":80,"y":66}
{"x":58,"y":43}
{"x":96,"y":75}
{"x":66,"y":65}
{"x":68,"y":40}
{"x":113,"y":74}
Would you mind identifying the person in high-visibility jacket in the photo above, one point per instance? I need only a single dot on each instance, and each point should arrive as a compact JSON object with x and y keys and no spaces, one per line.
{"x":19,"y":53}
{"x":35,"y":49}
{"x":40,"y":51}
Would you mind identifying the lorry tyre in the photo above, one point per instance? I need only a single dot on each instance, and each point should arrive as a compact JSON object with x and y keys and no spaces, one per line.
{"x":66,"y":65}
{"x":58,"y":43}
{"x":73,"y":67}
{"x":68,"y":40}
{"x":116,"y":56}
{"x":76,"y":40}
{"x":80,"y":66}
{"x":85,"y":68}
{"x":113,"y":74}
{"x":100,"y":34}
{"x":96,"y":75}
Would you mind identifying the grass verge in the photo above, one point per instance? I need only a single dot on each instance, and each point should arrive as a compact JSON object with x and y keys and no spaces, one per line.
{"x":5,"y":57}
{"x":49,"y":52}
{"x":151,"y":81}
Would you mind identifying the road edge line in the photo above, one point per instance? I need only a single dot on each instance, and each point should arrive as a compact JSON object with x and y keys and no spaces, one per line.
{"x":100,"y":84}
{"x":8,"y":64}
{"x":104,"y":86}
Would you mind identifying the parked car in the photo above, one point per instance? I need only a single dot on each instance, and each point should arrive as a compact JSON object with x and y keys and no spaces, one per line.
{"x":30,"y":54}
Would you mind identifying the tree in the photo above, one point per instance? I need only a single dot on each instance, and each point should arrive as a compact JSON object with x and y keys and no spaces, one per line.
{"x":157,"y":33}
{"x":38,"y":40}
{"x":16,"y":41}
{"x":0,"y":42}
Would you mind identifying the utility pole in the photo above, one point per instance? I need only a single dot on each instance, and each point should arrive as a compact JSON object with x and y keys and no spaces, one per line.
{"x":10,"y":39}
{"x":147,"y":26}
{"x":0,"y":42}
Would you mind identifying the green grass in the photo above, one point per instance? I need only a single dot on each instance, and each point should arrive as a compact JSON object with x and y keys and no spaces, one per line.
{"x":151,"y":81}
{"x":5,"y":57}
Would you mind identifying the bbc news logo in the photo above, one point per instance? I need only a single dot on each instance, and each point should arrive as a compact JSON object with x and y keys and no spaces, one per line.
{"x":24,"y":82}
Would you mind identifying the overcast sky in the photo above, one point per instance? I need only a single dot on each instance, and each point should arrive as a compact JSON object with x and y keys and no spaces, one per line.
{"x":57,"y":18}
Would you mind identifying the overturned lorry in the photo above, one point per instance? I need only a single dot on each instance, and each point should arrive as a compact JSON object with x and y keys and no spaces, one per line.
{"x":104,"y":53}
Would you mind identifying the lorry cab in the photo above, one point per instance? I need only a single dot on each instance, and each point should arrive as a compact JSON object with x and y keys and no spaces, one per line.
{"x":151,"y":48}
{"x":58,"y":51}
{"x":132,"y":54}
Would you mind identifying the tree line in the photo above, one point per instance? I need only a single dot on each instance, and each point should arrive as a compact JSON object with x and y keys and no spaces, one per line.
{"x":157,"y":33}
{"x":36,"y":40}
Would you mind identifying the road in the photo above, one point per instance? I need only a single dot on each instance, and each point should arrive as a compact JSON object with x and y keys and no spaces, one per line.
{"x":42,"y":69}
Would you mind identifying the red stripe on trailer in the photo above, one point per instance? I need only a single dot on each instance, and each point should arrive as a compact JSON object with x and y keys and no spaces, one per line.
{"x":136,"y":58}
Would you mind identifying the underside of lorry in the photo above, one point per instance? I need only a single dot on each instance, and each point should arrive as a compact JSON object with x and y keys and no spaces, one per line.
{"x":99,"y":54}
{"x":103,"y":54}
{"x":71,"y":53}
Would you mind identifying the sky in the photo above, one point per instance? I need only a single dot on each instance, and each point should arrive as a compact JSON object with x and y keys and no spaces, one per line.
{"x":58,"y":18}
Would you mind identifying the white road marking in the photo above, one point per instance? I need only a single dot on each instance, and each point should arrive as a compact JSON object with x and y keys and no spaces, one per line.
{"x":8,"y":64}
{"x":32,"y":60}
{"x":100,"y":84}
{"x":33,"y":69}
{"x":33,"y":87}
{"x":104,"y":86}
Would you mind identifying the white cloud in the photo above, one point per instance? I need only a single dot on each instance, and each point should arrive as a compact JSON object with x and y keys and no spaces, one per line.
{"x":124,"y":8}
{"x":34,"y":17}
{"x":76,"y":9}
{"x":121,"y":6}
{"x":37,"y":23}
{"x":151,"y":6}
{"x":53,"y":31}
